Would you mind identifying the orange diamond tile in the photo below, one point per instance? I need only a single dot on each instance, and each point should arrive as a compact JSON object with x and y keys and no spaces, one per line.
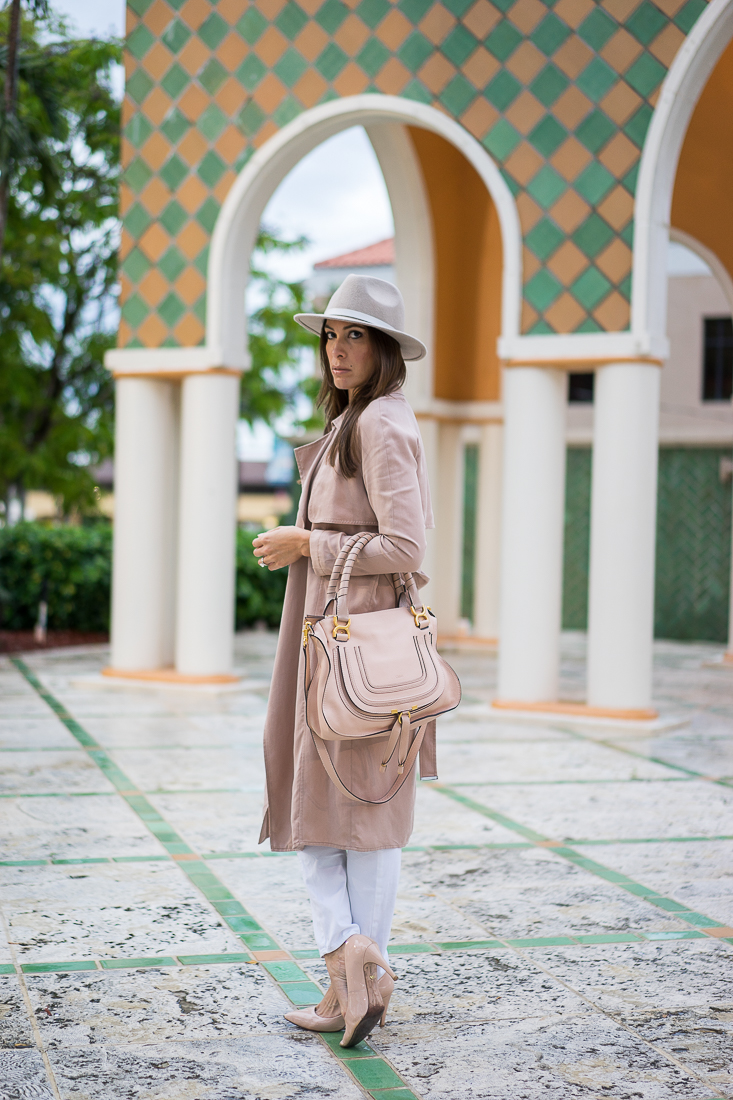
{"x":526,"y":62}
{"x":157,"y":105}
{"x":351,"y":35}
{"x":393,"y":77}
{"x":621,"y":50}
{"x":615,"y":261}
{"x":437,"y":24}
{"x":570,"y":159}
{"x":231,"y":97}
{"x":620,"y":103}
{"x":351,"y":81}
{"x":436,"y":72}
{"x":569,"y":211}
{"x":480,"y":67}
{"x":126,"y":243}
{"x":224,"y":185}
{"x":310,"y":88}
{"x":128,"y":152}
{"x":572,"y":107}
{"x":310,"y":6}
{"x":232,"y":52}
{"x":481,"y":18}
{"x":620,"y":9}
{"x":131,"y":21}
{"x":528,"y":210}
{"x":652,"y":99}
{"x":193,"y":102}
{"x":191,"y":240}
{"x":153,"y":287}
{"x":271,"y":46}
{"x":565,"y":314}
{"x":127,"y":198}
{"x":670,"y":7}
{"x":157,"y":60}
{"x":193,"y":56}
{"x":192,"y":147}
{"x":155,"y":196}
{"x":189,"y":332}
{"x":124,"y":334}
{"x":567,"y":263}
{"x":524,"y":162}
{"x":525,"y":112}
{"x":572,"y":57}
{"x":526,"y":14}
{"x":155,"y":150}
{"x":479,"y":117}
{"x":126,"y":286}
{"x":311,"y":41}
{"x":128,"y":110}
{"x":529,"y":316}
{"x":573,"y":12}
{"x":190,"y":285}
{"x":530,"y":264}
{"x":271,"y":8}
{"x":130,"y":63}
{"x":191,"y":194}
{"x":157,"y":17}
{"x":154,"y":241}
{"x":617,"y":208}
{"x":619,"y":155}
{"x":230,"y":144}
{"x":152,"y":331}
{"x":232,"y":10}
{"x":270,"y":93}
{"x":666,"y":45}
{"x":613,"y":313}
{"x":266,"y":131}
{"x":394,"y":29}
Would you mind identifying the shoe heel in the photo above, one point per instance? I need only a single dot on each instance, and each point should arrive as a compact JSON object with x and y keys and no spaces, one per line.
{"x":374,"y":955}
{"x":386,"y":988}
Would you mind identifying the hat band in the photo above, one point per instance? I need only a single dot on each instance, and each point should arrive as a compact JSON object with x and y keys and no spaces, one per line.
{"x":365,"y":318}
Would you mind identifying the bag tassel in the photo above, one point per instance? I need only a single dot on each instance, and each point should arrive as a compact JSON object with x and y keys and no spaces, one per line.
{"x":400,"y":733}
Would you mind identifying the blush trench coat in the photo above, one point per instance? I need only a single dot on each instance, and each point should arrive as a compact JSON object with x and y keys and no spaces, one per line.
{"x":390,"y":496}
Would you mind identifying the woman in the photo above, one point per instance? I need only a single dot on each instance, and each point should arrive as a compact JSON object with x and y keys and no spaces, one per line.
{"x":367,"y":473}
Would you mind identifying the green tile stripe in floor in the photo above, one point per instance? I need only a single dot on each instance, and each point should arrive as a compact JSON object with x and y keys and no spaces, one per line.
{"x":370,"y":1070}
{"x":616,"y":878}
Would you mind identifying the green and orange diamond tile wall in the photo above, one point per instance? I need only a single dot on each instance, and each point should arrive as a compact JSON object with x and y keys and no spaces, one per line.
{"x":560,"y":93}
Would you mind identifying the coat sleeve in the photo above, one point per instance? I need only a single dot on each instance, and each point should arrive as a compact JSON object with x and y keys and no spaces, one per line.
{"x":390,"y":453}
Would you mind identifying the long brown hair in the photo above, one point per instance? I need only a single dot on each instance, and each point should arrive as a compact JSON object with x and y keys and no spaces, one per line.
{"x":388,"y":375}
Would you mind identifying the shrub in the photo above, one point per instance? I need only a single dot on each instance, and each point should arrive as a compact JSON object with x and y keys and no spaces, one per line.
{"x":258,"y":592}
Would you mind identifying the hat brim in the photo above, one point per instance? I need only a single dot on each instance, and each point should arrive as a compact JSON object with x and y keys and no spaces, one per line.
{"x":411,"y":348}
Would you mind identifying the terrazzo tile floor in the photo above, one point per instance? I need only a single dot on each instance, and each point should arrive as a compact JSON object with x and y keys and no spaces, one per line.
{"x":564,"y":926}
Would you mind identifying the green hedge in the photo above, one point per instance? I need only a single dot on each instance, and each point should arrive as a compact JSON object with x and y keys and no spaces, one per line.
{"x":76,"y":563}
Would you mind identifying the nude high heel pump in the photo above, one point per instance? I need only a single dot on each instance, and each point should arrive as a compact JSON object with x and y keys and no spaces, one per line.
{"x":365,"y":1005}
{"x":326,"y":1016}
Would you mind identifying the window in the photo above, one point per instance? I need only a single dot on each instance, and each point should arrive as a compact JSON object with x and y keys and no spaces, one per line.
{"x":717,"y":378}
{"x":580,"y":389}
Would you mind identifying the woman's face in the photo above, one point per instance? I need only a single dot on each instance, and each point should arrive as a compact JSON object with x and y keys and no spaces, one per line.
{"x":350,"y":354}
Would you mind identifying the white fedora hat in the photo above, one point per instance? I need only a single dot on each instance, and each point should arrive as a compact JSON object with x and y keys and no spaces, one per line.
{"x":368,"y":301}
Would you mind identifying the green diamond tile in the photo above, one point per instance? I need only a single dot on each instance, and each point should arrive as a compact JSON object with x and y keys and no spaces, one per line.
{"x":176,"y":35}
{"x":332,"y":60}
{"x":548,"y":135}
{"x":687,"y":16}
{"x":595,"y":130}
{"x":302,"y":993}
{"x":211,"y":168}
{"x":252,"y":25}
{"x":645,"y":74}
{"x":393,"y":1094}
{"x":542,"y":290}
{"x":544,"y":238}
{"x":212,"y":122}
{"x":231,"y":907}
{"x":592,"y":236}
{"x":373,"y":1073}
{"x":373,"y":56}
{"x":291,"y":20}
{"x":550,"y":34}
{"x":458,"y":94}
{"x":467,"y":945}
{"x":175,"y":125}
{"x":125,"y":964}
{"x":291,"y":67}
{"x":546,"y":186}
{"x":176,"y":4}
{"x":171,"y":263}
{"x":596,"y":79}
{"x":458,"y":7}
{"x":139,"y":6}
{"x":175,"y":80}
{"x":138,"y":130}
{"x":699,"y":919}
{"x":206,"y":960}
{"x":503,"y":40}
{"x":594,"y":182}
{"x":502,"y":90}
{"x":627,"y":234}
{"x":201,"y":263}
{"x":588,"y":325}
{"x":511,"y":183}
{"x":686,"y":935}
{"x":505,"y":5}
{"x":287,"y":111}
{"x":173,"y":218}
{"x":413,"y":52}
{"x":173,"y":172}
{"x":646,"y":22}
{"x":597,"y":28}
{"x":308,"y":953}
{"x":417,"y":91}
{"x":140,"y":41}
{"x":459,"y":45}
{"x":259,"y":941}
{"x":206,"y":217}
{"x":411,"y":948}
{"x":243,"y":925}
{"x":250,"y":118}
{"x":331,"y":15}
{"x":610,"y":937}
{"x":56,"y":968}
{"x":286,"y":972}
{"x":629,"y":180}
{"x":638,"y":124}
{"x":213,"y":76}
{"x":549,"y":84}
{"x":333,"y":1040}
{"x":199,"y":309}
{"x":213,"y":31}
{"x":541,"y":328}
{"x":138,"y":85}
{"x":250,"y":72}
{"x":135,"y":265}
{"x":590,"y":288}
{"x":542,"y":941}
{"x":501,"y":139}
{"x":171,"y":309}
{"x":372,"y":12}
{"x":6,"y":968}
{"x":137,"y":220}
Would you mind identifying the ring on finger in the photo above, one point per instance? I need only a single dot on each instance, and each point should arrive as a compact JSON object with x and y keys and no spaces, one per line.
{"x":262,"y":563}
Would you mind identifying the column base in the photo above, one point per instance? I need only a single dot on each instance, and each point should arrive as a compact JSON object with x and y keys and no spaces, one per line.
{"x":466,"y":641}
{"x":728,"y":659}
{"x":168,"y":676}
{"x":580,"y":710}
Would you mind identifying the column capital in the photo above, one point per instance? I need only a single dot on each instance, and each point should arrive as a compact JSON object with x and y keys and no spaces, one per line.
{"x":171,"y":364}
{"x":581,"y":351}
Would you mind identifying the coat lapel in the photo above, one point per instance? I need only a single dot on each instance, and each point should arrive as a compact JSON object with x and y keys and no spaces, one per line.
{"x":307,"y":458}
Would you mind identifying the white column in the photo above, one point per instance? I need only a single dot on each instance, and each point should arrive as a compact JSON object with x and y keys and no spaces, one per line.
{"x":728,"y":658}
{"x":146,"y":491}
{"x":448,"y":506}
{"x":488,"y":532}
{"x":207,"y":526}
{"x":623,"y":528}
{"x":429,"y":433}
{"x":532,"y":534}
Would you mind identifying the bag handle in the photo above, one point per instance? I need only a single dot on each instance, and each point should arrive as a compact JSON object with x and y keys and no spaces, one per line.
{"x":338,"y":565}
{"x":399,"y":782}
{"x":338,"y":588}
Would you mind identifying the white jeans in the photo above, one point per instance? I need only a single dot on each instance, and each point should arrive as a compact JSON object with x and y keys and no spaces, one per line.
{"x":351,"y":892}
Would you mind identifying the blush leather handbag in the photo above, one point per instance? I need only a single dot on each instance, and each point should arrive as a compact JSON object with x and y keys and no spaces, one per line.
{"x":376,"y":676}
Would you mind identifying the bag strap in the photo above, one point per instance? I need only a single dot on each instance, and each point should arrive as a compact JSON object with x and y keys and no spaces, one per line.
{"x":407,"y":766}
{"x":338,"y":565}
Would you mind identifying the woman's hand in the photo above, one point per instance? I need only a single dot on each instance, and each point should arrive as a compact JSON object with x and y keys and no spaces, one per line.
{"x":282,"y":546}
